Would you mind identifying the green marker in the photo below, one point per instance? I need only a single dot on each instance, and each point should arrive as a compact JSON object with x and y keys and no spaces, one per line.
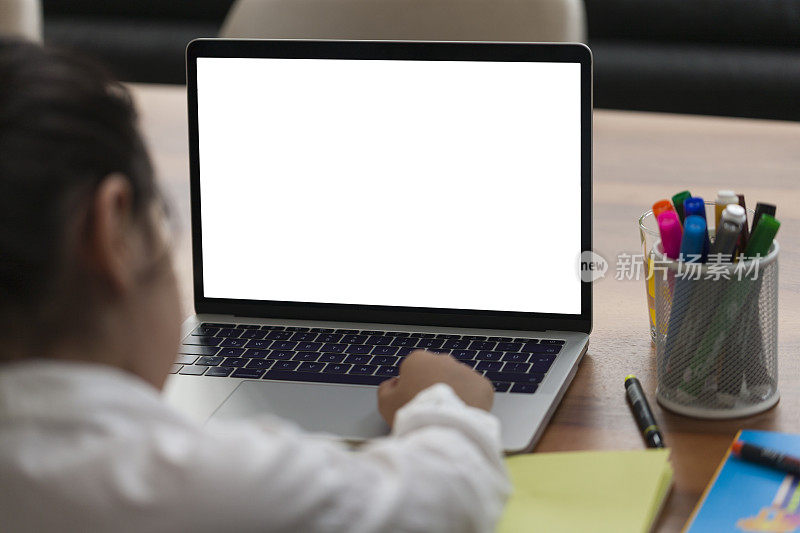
{"x":677,"y":201}
{"x":762,"y":236}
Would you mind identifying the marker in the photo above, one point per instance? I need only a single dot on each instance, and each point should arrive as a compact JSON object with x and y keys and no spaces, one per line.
{"x":661,"y":206}
{"x":766,"y":457}
{"x":762,"y":209}
{"x":695,"y":206}
{"x":642,"y":413}
{"x":728,"y":232}
{"x":745,"y":236}
{"x":724,"y":198}
{"x":677,"y":201}
{"x":693,"y":243}
{"x":762,"y":237}
{"x":670,"y":228}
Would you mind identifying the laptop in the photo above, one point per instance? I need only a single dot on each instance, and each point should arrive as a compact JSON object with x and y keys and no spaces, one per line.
{"x":354,"y":201}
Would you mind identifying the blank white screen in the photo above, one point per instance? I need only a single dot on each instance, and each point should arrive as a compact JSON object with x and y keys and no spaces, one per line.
{"x":402,"y":183}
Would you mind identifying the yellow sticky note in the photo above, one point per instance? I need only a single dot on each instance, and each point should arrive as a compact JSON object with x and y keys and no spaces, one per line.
{"x":616,"y":491}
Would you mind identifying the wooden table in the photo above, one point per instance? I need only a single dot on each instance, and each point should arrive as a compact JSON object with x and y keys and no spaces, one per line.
{"x":639,"y":157}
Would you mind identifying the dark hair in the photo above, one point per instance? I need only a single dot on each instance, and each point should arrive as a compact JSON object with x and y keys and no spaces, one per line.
{"x":65,"y":124}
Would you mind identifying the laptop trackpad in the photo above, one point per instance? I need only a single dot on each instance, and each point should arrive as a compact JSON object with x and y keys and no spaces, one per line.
{"x":346,"y":411}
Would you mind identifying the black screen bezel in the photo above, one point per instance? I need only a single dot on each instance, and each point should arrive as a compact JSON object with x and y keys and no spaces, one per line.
{"x":382,"y":50}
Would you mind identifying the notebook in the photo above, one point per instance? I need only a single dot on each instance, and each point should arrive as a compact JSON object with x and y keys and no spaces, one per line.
{"x":615,"y":491}
{"x":747,"y":497}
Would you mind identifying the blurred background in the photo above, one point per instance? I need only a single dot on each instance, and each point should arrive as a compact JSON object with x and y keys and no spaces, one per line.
{"x":713,"y":57}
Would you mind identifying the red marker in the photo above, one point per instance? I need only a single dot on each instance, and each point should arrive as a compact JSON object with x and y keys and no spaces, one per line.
{"x":671,"y":232}
{"x":765,"y":456}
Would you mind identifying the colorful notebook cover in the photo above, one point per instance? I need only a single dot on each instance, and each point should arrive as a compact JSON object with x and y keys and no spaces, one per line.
{"x":747,"y":497}
{"x":598,"y":492}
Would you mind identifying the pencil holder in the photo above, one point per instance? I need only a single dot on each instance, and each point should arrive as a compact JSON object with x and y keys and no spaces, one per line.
{"x":717,"y":335}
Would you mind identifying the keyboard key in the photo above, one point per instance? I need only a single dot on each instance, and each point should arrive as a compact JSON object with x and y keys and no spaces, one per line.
{"x":397,"y":333}
{"x":482,"y":345}
{"x":541,"y":362}
{"x":324,"y":377}
{"x":354,"y":339}
{"x":526,"y":388}
{"x":281,"y":354}
{"x":253,"y":334}
{"x":192,"y":370}
{"x":470,"y":364}
{"x":306,"y":356}
{"x":430,"y":343}
{"x":358,"y":359}
{"x":198,"y":350}
{"x":516,"y":367}
{"x":423,"y":335}
{"x":210,"y":361}
{"x":473,"y":337}
{"x":531,"y":347}
{"x":297,"y":328}
{"x":283,"y":345}
{"x":501,"y":386}
{"x":279,"y":335}
{"x":233,"y":343}
{"x":464,"y":355}
{"x":509,"y":346}
{"x":379,"y":340}
{"x":552,"y":341}
{"x":310,"y":367}
{"x":388,"y":371}
{"x":546,"y":348}
{"x":175,"y":368}
{"x":456,"y":345}
{"x":331,"y":358}
{"x":185,"y":359}
{"x":337,"y":368}
{"x":259,"y":344}
{"x":231,"y":352}
{"x":384,"y":360}
{"x":329,"y":337}
{"x":516,"y":357}
{"x":405,"y":350}
{"x":202,"y":340}
{"x":385,"y":350}
{"x":258,"y":354}
{"x":260,"y":363}
{"x":334,"y":347}
{"x":358,"y":348}
{"x":308,"y":346}
{"x":363,"y":369}
{"x":371,"y":332}
{"x":516,"y":377}
{"x":285,"y":365}
{"x":489,"y":365}
{"x":489,"y":356}
{"x":229,"y":332}
{"x":321,"y":330}
{"x":252,"y":373}
{"x":234,"y":361}
{"x":405,"y":341}
{"x":217,"y":325}
{"x":273,"y":328}
{"x":447,"y":336}
{"x":248,"y":326}
{"x":347,"y":331}
{"x":205,"y":331}
{"x":440,"y":350}
{"x":303,"y":336}
{"x":500,"y":339}
{"x":219,"y":371}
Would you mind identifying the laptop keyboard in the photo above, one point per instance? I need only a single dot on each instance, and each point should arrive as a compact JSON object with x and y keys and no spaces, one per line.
{"x":359,"y":357}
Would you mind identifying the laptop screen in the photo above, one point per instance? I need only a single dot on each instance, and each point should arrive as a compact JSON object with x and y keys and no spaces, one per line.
{"x":436,"y":184}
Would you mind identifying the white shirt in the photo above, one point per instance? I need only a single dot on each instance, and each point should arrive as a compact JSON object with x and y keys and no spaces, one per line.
{"x":92,"y":448}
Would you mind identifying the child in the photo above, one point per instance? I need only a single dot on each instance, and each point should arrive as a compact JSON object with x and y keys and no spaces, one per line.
{"x":90,"y":323}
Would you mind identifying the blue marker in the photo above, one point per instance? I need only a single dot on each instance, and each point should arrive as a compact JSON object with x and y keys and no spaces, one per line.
{"x":695,"y":242}
{"x":696,"y":206}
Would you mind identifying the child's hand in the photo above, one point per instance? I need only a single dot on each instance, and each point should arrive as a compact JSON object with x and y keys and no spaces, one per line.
{"x":420,"y":370}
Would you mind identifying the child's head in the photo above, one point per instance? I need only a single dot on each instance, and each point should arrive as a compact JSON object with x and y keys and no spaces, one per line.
{"x":85,"y":271}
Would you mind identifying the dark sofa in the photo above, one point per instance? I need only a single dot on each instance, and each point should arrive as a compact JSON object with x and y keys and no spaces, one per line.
{"x":717,"y":57}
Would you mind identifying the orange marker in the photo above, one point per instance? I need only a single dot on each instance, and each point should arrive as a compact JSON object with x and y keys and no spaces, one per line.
{"x":661,"y":206}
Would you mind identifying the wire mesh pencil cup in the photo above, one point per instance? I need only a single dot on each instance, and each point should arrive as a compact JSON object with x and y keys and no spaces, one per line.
{"x":717,"y":335}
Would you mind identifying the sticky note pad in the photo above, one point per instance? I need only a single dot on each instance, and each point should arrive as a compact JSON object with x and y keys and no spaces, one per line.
{"x":614,"y":491}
